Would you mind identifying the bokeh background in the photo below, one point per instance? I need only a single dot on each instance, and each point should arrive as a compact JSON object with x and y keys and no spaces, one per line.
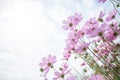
{"x":31,"y":29}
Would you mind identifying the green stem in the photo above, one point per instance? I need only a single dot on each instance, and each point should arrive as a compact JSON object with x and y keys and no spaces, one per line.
{"x":114,"y":6}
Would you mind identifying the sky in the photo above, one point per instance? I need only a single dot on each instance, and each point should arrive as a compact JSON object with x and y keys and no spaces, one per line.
{"x":31,"y":29}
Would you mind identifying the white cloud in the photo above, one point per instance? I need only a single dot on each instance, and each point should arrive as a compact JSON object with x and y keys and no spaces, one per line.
{"x":27,"y":34}
{"x":88,"y":3}
{"x":30,"y":29}
{"x":23,"y":34}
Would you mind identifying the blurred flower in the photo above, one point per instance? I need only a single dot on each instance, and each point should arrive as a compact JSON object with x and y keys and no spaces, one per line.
{"x":102,"y":1}
{"x":66,"y":56}
{"x":96,"y":77}
{"x":77,"y":18}
{"x":101,"y":14}
{"x":111,"y":15}
{"x":100,"y":18}
{"x":83,"y":64}
{"x":72,"y":22}
{"x":82,"y":47}
{"x":47,"y":63}
{"x":90,"y":26}
{"x":60,"y":75}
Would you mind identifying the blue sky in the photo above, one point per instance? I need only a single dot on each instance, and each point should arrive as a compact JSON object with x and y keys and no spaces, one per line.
{"x":31,"y":29}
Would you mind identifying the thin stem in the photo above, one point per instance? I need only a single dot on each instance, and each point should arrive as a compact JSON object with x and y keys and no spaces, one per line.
{"x":114,"y":6}
{"x":116,"y":1}
{"x":117,"y":20}
{"x":75,"y":69}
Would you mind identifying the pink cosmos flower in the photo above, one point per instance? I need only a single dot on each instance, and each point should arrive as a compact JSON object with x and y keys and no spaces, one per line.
{"x":102,"y":1}
{"x":60,"y":75}
{"x":80,"y":33}
{"x":111,"y":15}
{"x":91,"y":22}
{"x":111,"y":35}
{"x":87,"y":30}
{"x":66,"y":56}
{"x":72,"y":22}
{"x":90,"y":26}
{"x":70,"y":47}
{"x":82,"y":47}
{"x":96,"y":77}
{"x":112,"y":32}
{"x":97,"y":31}
{"x":114,"y":26}
{"x":77,"y":18}
{"x":69,"y":24}
{"x":71,"y":42}
{"x":47,"y":63}
{"x":72,"y":38}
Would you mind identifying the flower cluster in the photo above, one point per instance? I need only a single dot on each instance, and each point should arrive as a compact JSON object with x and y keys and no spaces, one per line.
{"x":97,"y":42}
